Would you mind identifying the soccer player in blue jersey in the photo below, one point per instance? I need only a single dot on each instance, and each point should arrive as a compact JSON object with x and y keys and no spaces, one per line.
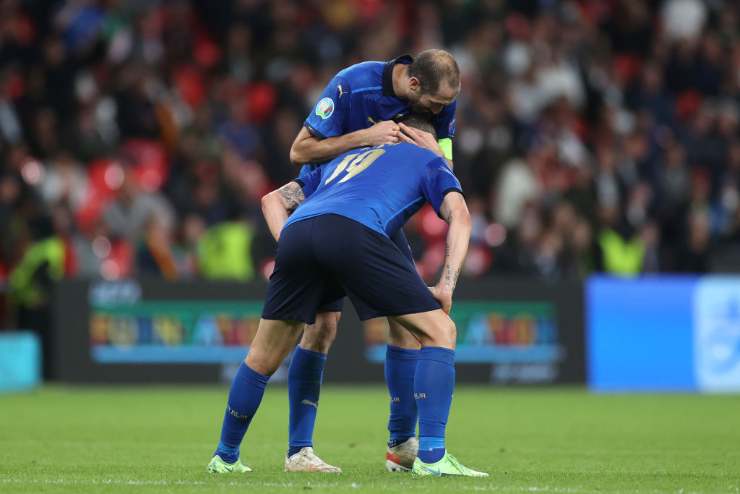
{"x":338,"y":242}
{"x":358,"y":108}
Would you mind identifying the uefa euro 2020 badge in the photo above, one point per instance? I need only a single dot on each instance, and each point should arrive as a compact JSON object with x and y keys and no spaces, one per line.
{"x":325,"y":108}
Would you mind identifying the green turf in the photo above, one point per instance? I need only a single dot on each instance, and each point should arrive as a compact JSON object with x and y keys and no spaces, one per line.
{"x":559,"y":441}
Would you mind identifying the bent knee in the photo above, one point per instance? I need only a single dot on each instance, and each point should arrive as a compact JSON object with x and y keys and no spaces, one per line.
{"x":328,"y":321}
{"x":262,"y":363}
{"x":401,"y":337}
{"x":442,"y":333}
{"x":318,"y":337}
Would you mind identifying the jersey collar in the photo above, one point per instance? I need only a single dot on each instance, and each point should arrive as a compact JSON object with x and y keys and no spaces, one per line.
{"x":388,"y":73}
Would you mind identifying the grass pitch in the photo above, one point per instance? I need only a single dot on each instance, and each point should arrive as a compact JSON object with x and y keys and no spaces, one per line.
{"x":156,"y":440}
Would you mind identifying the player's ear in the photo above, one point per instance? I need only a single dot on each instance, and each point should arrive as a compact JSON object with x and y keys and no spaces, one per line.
{"x":415,"y":85}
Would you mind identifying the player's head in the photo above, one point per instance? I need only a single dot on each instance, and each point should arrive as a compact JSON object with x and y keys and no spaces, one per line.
{"x":419,"y":121}
{"x":433,"y":81}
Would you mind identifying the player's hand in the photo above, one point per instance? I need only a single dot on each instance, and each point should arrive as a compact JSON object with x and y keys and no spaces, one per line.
{"x":421,"y":139}
{"x":386,"y":132}
{"x":443,"y":296}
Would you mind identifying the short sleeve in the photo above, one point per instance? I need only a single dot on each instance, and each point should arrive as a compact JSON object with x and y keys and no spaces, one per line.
{"x":438,"y":181}
{"x":328,"y":116}
{"x":444,"y":123}
{"x":309,"y":179}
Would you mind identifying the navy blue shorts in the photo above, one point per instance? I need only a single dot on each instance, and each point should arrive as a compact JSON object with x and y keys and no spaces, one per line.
{"x":398,"y":238}
{"x":325,"y":257}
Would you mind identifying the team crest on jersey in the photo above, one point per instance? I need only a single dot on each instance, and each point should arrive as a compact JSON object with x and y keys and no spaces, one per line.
{"x":325,"y":108}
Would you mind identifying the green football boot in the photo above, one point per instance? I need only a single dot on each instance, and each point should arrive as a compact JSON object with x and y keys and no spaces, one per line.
{"x":448,"y":465}
{"x":217,"y":465}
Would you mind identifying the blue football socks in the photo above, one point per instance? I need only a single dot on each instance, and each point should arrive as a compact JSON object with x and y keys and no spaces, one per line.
{"x":400,"y":367}
{"x":245,"y":396}
{"x":434,"y":383}
{"x":304,"y":384}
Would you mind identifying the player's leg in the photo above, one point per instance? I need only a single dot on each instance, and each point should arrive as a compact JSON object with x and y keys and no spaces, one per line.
{"x":305,"y":376}
{"x":401,"y":355}
{"x":293,"y":294}
{"x":384,"y":283}
{"x":400,"y":366}
{"x":434,"y":384}
{"x":272,"y":343}
{"x":319,"y":336}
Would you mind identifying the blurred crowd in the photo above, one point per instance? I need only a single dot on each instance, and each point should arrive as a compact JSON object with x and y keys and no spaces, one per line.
{"x":137,"y":137}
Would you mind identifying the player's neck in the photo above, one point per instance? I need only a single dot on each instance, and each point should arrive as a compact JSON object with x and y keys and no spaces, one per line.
{"x":399,"y":76}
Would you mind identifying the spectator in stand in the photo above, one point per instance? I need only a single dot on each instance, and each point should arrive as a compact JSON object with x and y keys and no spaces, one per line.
{"x":128,"y":215}
{"x":592,"y":136}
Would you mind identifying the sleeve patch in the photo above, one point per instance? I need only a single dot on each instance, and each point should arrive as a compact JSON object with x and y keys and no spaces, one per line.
{"x":325,"y":108}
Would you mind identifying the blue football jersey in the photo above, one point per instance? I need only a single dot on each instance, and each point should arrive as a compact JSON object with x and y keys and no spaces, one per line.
{"x":362,"y":95}
{"x":380,"y":187}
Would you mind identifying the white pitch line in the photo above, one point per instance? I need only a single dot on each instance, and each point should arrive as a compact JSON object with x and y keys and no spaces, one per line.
{"x":323,"y":485}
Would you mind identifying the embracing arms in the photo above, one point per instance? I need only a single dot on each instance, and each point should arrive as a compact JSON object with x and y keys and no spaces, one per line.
{"x":278,"y":204}
{"x":307,"y":148}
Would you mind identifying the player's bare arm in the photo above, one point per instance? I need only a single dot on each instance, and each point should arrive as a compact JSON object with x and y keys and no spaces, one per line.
{"x":454,"y":211}
{"x":308,"y":149}
{"x":422,"y":139}
{"x":278,"y":204}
